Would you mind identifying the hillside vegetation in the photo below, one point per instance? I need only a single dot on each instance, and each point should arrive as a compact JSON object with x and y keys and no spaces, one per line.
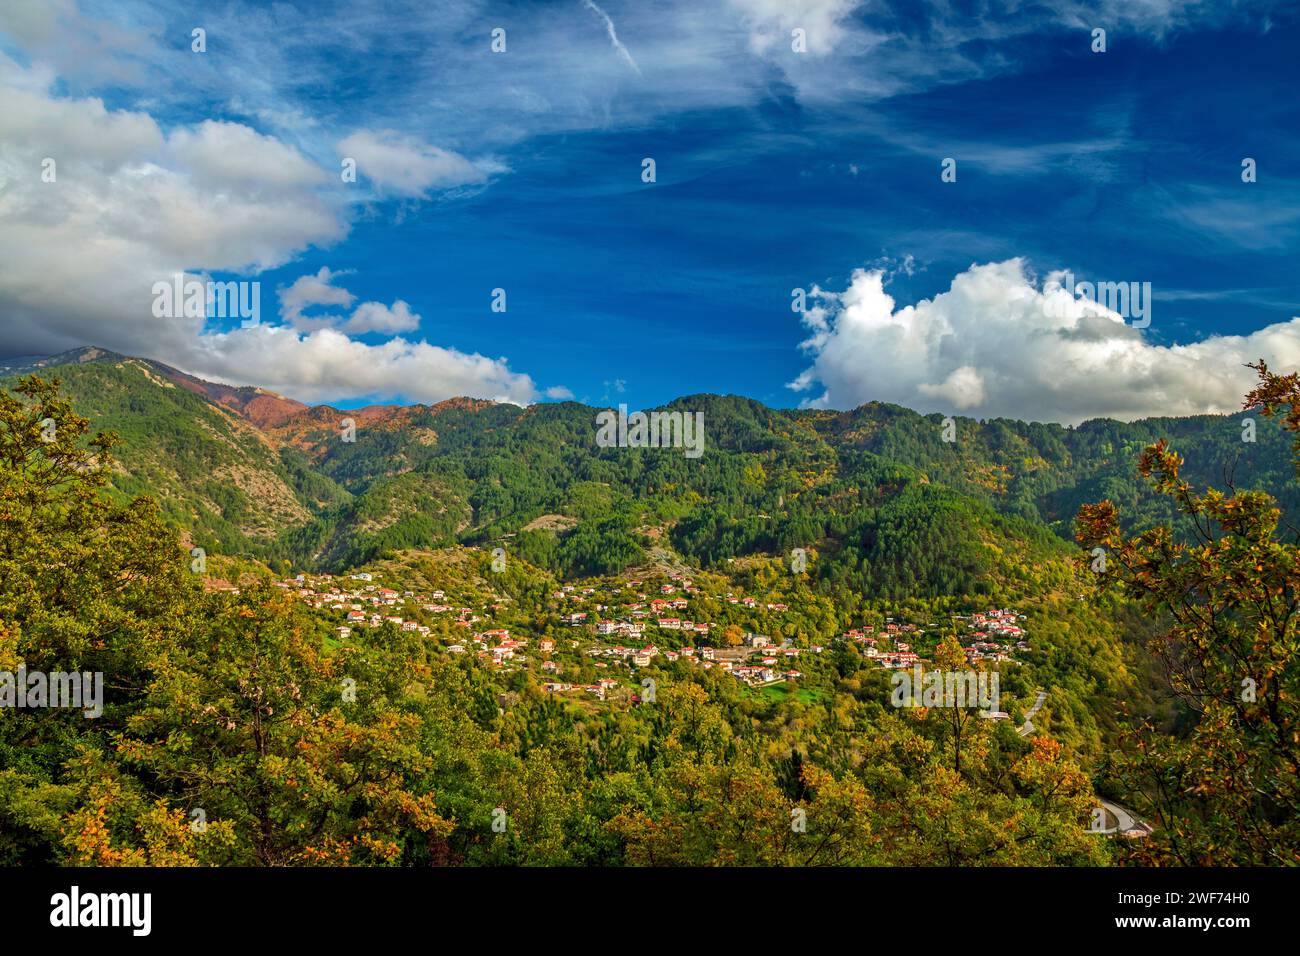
{"x":893,"y":508}
{"x":301,"y":740}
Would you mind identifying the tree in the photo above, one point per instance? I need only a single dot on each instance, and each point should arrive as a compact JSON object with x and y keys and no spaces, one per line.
{"x":228,"y":705}
{"x":956,"y":716}
{"x":1228,"y":792}
{"x":88,"y":586}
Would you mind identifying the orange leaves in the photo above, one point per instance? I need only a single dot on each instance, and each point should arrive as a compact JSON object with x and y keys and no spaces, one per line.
{"x":90,"y":841}
{"x":422,"y":812}
{"x":1045,"y":750}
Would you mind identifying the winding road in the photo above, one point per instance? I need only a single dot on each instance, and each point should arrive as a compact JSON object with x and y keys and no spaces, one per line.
{"x":1126,"y":822}
{"x":1027,"y":727}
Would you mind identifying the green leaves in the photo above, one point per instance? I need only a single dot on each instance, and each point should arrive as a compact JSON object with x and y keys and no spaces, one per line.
{"x":1227,"y":789}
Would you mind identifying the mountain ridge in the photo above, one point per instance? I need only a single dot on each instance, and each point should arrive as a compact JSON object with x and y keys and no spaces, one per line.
{"x":247,"y":471}
{"x":241,"y":396}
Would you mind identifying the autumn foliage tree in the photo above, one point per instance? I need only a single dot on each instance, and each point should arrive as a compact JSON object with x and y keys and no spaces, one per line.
{"x":229,"y":734}
{"x":1227,"y":792}
{"x":238,"y":729}
{"x":86,"y":585}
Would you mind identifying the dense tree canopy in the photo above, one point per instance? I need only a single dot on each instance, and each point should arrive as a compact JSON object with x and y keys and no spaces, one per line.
{"x":236,"y":729}
{"x":1227,"y":790}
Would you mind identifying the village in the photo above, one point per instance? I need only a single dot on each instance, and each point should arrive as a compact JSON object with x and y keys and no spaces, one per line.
{"x":621,"y":628}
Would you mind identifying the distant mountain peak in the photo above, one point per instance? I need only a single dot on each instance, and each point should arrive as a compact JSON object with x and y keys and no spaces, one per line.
{"x":77,"y":356}
{"x":260,"y":406}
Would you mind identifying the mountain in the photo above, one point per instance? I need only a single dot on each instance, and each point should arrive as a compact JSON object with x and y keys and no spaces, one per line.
{"x":827,"y":535}
{"x":891,"y":505}
{"x":259,"y":406}
{"x":26,"y":365}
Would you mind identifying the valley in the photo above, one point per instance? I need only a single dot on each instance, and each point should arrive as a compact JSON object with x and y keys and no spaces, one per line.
{"x":477,"y":612}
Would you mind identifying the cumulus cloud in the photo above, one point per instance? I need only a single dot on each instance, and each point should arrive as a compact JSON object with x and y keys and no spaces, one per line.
{"x":377,"y":317}
{"x":322,"y":365}
{"x":400,"y":165}
{"x":319,"y":289}
{"x":77,"y":134}
{"x":81,"y":46}
{"x":997,"y":345}
{"x":131,"y":205}
{"x":81,"y":250}
{"x":310,"y":290}
{"x":220,"y":154}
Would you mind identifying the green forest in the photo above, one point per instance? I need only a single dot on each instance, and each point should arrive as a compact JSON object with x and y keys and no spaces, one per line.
{"x":1170,"y":669}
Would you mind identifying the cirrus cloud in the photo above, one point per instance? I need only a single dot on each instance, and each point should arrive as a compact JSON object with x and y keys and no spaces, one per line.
{"x":770,"y":22}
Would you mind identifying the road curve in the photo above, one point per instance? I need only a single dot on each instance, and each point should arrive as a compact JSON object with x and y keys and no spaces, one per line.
{"x":1126,"y":822}
{"x":1027,"y":727}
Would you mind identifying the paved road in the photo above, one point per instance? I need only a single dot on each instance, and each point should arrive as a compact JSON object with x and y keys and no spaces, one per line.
{"x":1027,"y":727}
{"x":1122,"y":816}
{"x":1126,"y":821}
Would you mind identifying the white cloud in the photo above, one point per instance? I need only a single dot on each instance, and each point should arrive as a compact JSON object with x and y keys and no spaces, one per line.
{"x":269,"y":61}
{"x":81,"y":46}
{"x":399,"y":165}
{"x":318,"y":289}
{"x":323,"y":365}
{"x":77,"y":134}
{"x":377,"y":317}
{"x":79,"y":255}
{"x":995,"y":345}
{"x":962,"y":389}
{"x":310,"y":290}
{"x":770,"y":22}
{"x":1157,"y":18}
{"x":219,"y":155}
{"x":132,"y":206}
{"x":614,"y":41}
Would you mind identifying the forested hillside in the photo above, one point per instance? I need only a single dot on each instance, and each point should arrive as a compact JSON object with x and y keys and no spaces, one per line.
{"x":429,"y":670}
{"x":894,"y":508}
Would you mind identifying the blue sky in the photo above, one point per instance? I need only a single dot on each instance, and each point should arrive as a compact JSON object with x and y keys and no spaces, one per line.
{"x":775,"y":170}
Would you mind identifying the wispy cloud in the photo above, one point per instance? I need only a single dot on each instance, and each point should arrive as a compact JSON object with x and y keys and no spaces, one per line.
{"x":228,"y":161}
{"x":613,"y":35}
